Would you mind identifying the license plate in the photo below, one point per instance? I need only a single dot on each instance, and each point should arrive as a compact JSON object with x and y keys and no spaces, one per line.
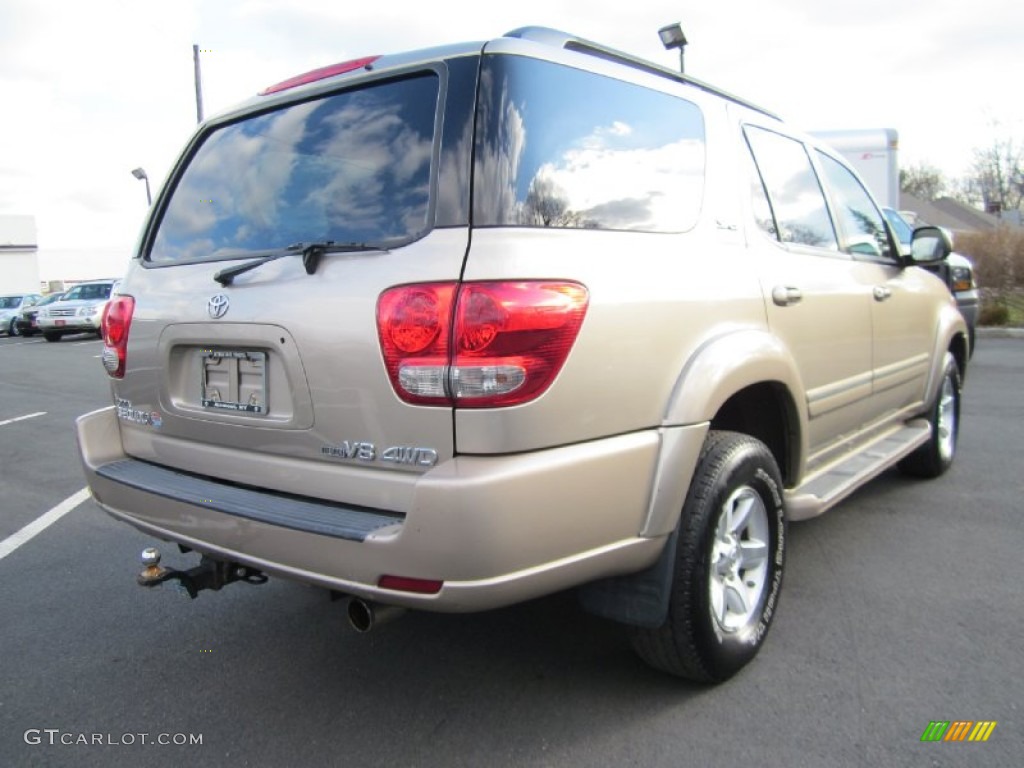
{"x":59,"y":323}
{"x":234,"y":380}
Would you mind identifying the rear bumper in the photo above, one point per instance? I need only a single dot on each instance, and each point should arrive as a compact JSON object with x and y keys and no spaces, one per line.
{"x":495,"y":530}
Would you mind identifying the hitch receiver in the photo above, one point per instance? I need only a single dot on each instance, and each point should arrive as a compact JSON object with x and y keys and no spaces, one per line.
{"x":209,"y":574}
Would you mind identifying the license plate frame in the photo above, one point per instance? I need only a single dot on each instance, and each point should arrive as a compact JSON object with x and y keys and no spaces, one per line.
{"x":234,"y":380}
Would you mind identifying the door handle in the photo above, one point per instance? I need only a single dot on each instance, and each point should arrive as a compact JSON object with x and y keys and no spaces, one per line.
{"x":786,"y":295}
{"x":882,"y":293}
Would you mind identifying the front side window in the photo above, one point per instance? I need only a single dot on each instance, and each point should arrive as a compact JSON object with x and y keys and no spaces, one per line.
{"x":862,"y":225}
{"x":353,"y":167}
{"x":561,"y":147}
{"x":899,"y":226}
{"x":800,"y":213}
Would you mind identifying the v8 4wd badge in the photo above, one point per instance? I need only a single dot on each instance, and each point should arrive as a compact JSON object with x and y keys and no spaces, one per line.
{"x":407,"y":455}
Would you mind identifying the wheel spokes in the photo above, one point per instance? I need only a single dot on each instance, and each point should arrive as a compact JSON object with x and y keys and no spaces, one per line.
{"x":752,"y":553}
{"x":739,"y":559}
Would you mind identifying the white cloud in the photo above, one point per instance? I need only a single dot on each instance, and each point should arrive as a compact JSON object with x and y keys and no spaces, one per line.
{"x":93,"y":89}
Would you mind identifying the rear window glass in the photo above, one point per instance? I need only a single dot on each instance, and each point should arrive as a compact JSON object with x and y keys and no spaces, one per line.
{"x":560,"y":147}
{"x":350,"y":167}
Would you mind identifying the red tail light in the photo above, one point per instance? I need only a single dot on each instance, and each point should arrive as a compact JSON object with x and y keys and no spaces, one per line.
{"x":478,"y":345}
{"x":117,"y":320}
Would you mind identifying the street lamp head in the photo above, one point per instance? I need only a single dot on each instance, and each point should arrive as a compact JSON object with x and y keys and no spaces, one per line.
{"x":672,"y":36}
{"x":140,"y":174}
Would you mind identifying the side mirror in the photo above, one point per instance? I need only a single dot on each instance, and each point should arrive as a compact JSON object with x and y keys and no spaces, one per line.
{"x":929,"y":245}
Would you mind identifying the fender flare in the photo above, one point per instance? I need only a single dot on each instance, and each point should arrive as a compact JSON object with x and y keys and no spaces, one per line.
{"x":719,"y":368}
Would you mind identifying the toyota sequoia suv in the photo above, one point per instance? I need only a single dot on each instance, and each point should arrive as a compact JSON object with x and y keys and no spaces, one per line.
{"x":453,"y":329}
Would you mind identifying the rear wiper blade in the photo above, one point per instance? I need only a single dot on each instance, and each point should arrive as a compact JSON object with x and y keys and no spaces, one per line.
{"x":311,"y":254}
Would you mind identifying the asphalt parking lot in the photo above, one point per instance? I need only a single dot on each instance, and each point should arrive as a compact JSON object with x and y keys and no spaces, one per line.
{"x":902,"y":606}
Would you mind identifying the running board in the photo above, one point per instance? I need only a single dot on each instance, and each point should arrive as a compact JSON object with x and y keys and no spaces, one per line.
{"x":833,"y":483}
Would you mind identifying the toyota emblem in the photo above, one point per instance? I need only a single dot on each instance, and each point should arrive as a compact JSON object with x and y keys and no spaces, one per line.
{"x":218,"y":306}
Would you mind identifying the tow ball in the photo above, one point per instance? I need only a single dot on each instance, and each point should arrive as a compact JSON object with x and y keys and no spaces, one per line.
{"x":209,"y":574}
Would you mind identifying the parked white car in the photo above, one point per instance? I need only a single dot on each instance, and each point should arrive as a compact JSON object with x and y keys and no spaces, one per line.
{"x":80,"y":311}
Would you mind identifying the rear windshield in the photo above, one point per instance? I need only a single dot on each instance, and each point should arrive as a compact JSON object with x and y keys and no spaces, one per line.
{"x":350,"y":167}
{"x":560,"y":147}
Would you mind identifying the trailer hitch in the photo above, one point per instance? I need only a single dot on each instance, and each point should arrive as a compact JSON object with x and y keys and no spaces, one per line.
{"x":209,"y":574}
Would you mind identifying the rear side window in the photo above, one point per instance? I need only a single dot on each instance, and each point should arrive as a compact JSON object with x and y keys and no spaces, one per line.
{"x":350,"y":167}
{"x":560,"y":147}
{"x":800,"y":213}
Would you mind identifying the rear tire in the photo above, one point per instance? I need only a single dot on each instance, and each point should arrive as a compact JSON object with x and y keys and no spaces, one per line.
{"x":936,"y":456}
{"x":729,"y":563}
{"x":12,"y":329}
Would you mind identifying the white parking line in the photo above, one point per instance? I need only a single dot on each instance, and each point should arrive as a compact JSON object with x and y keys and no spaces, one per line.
{"x":21,"y":343}
{"x":40,"y":524}
{"x":22,"y":418}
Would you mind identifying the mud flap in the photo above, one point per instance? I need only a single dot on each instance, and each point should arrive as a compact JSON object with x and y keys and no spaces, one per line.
{"x":637,"y":599}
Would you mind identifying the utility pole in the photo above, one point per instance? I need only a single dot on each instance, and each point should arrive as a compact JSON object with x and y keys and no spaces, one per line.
{"x":199,"y":84}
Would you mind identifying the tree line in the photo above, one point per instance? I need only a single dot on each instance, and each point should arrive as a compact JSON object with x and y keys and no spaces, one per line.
{"x":994,"y":183}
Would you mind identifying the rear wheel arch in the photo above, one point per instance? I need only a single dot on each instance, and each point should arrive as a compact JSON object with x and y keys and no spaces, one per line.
{"x":766,"y":411}
{"x":746,"y":382}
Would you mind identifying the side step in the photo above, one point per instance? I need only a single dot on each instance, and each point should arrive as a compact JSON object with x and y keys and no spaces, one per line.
{"x":834,"y":482}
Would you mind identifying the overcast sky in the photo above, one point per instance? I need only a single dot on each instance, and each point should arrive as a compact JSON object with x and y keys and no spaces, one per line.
{"x":91,"y":89}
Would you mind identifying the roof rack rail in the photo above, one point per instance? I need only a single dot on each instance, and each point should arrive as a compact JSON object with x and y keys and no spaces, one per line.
{"x":559,"y":39}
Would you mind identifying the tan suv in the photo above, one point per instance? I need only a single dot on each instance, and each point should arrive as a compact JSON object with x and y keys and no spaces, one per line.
{"x":457,"y":328}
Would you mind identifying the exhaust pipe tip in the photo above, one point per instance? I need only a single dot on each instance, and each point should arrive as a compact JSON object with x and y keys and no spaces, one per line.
{"x":365,"y":616}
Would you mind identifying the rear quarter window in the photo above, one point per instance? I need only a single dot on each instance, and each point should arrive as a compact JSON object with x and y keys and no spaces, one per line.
{"x":561,"y":147}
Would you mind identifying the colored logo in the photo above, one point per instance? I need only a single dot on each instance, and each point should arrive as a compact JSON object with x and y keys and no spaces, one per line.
{"x":958,"y":730}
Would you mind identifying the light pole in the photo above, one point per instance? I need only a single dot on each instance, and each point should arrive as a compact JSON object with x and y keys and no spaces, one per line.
{"x":672,"y":37}
{"x":199,"y":84}
{"x":138,"y":173}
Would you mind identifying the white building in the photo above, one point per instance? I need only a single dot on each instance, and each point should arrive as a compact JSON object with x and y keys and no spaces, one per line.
{"x":19,"y":258}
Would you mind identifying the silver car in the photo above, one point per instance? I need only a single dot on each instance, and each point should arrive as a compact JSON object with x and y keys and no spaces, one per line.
{"x":591,"y":324}
{"x":11,"y":307}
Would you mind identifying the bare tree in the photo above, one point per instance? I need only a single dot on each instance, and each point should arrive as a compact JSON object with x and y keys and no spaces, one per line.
{"x":547,"y":206}
{"x":997,"y":176}
{"x":923,"y":181}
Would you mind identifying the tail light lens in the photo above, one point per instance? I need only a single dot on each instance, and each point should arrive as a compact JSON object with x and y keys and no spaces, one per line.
{"x":117,"y":320}
{"x":478,"y":345}
{"x":414,"y":326}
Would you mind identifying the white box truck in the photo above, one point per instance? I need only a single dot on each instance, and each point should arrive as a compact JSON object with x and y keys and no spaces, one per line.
{"x":873,"y":152}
